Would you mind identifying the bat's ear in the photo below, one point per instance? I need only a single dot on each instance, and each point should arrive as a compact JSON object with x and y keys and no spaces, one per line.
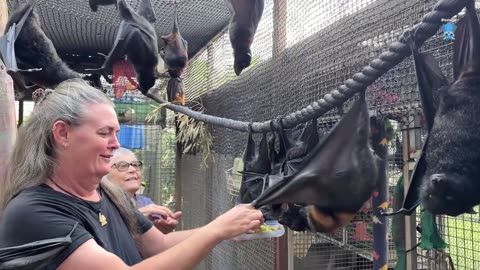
{"x":466,"y":52}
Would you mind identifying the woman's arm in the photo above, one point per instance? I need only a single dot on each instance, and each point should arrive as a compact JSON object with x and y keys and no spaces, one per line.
{"x":192,"y":246}
{"x":184,"y":256}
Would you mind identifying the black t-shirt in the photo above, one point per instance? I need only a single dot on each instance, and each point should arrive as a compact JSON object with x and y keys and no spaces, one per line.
{"x":40,"y":213}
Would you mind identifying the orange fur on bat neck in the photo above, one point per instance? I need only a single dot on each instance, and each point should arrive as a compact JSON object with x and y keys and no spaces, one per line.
{"x":325,"y":222}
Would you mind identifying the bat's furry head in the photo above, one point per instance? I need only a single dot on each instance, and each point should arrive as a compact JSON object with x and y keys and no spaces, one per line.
{"x":242,"y":61}
{"x":241,"y":40}
{"x":325,"y":220}
{"x":175,"y":53}
{"x":448,"y":193}
{"x":293,"y":218}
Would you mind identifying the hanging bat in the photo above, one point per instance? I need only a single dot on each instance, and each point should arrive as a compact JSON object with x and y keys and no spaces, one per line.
{"x":246,"y":15}
{"x":95,"y":3}
{"x":450,"y":184}
{"x":300,"y":149}
{"x":294,"y":158}
{"x":277,"y":163}
{"x":430,"y":82}
{"x":136,"y":38}
{"x":256,"y":170}
{"x":175,"y":55}
{"x":336,"y":179}
{"x":28,"y":54}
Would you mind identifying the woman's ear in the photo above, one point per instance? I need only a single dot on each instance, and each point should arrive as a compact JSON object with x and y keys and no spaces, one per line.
{"x":60,"y":131}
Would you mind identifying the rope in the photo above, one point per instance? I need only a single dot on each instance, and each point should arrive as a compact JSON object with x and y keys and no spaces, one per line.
{"x":398,"y":50}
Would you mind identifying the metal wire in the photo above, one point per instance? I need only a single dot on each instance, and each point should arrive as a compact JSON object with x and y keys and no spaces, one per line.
{"x":397,"y":51}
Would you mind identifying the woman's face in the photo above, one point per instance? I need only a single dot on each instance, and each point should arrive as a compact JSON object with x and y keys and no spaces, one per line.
{"x":90,"y":146}
{"x":128,"y":179}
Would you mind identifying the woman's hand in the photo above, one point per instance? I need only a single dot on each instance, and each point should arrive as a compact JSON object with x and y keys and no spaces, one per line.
{"x":240,"y":219}
{"x":162,"y":217}
{"x":169,"y":224}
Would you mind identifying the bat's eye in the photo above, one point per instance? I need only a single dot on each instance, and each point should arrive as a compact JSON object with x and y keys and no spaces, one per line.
{"x":340,"y":174}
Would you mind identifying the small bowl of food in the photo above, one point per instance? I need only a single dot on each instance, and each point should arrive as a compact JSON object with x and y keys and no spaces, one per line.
{"x":269,"y":229}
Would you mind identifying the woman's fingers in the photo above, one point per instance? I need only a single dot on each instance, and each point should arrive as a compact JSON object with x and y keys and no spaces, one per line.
{"x":153,"y":209}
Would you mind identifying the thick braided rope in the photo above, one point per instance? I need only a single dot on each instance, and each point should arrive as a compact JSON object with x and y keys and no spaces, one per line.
{"x":397,"y":51}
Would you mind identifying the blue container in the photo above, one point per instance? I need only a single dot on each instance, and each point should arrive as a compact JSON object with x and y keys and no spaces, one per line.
{"x":132,"y":136}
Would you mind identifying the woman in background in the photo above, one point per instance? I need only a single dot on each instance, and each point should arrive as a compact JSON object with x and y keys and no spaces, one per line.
{"x":126,"y":172}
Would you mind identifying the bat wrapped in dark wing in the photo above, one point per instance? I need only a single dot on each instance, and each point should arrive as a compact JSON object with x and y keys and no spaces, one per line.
{"x":175,"y":55}
{"x":28,"y":54}
{"x":336,"y":179}
{"x":136,"y":38}
{"x":294,"y":158}
{"x":35,"y":255}
{"x":430,"y":81}
{"x":298,"y":152}
{"x":277,"y":164}
{"x":450,"y":185}
{"x":246,"y":15}
{"x":256,"y":169}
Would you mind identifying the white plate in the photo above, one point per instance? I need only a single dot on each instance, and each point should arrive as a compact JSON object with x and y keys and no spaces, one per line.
{"x":250,"y":236}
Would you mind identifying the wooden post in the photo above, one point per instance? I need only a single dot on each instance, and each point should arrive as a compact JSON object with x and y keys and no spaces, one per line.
{"x":411,"y":140}
{"x":279,"y":35}
{"x":3,"y":15}
{"x":279,"y":41}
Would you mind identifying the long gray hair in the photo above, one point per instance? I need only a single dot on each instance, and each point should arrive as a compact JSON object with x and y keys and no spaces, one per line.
{"x":34,"y":154}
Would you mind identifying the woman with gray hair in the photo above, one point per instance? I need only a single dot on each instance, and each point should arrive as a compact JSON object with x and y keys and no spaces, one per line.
{"x":54,"y":183}
{"x":126,"y":172}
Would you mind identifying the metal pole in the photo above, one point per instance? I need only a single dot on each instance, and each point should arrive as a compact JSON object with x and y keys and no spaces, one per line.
{"x":380,"y":197}
{"x":279,"y":41}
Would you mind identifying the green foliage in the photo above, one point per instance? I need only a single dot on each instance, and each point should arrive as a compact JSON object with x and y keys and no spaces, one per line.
{"x":194,"y":137}
{"x":389,"y":130}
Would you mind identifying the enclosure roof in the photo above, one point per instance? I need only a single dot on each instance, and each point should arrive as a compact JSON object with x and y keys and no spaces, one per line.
{"x":77,"y":32}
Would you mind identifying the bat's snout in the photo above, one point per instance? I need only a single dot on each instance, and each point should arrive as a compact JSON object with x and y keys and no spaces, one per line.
{"x":439,"y":182}
{"x":242,"y":61}
{"x":447,"y":194}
